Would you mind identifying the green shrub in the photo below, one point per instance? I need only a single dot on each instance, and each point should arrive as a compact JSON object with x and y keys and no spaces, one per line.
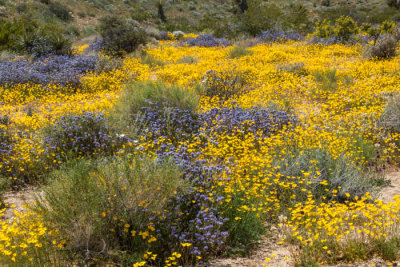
{"x":326,"y":3}
{"x":60,"y":11}
{"x":323,"y":29}
{"x":387,"y":249}
{"x":21,"y":7}
{"x":224,"y":85}
{"x":393,"y":3}
{"x":345,"y":28}
{"x":46,"y":2}
{"x":356,"y":250}
{"x":239,"y":51}
{"x":97,"y":204}
{"x":24,"y":35}
{"x":297,"y":18}
{"x":384,"y":48}
{"x":121,"y":36}
{"x":259,"y":17}
{"x":221,"y":26}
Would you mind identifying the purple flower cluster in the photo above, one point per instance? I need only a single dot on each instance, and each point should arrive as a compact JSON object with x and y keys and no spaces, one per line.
{"x":81,"y":135}
{"x":207,"y":40}
{"x":192,"y":218}
{"x":273,"y":36}
{"x":178,"y":125}
{"x":361,"y":39}
{"x":6,"y":146}
{"x":230,"y":121}
{"x":96,"y":45}
{"x":61,"y":70}
{"x":171,"y":123}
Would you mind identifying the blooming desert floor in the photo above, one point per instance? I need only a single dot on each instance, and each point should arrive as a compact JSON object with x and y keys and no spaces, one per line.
{"x":312,"y":173}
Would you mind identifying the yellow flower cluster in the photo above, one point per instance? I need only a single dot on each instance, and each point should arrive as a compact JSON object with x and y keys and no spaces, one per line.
{"x":25,"y":240}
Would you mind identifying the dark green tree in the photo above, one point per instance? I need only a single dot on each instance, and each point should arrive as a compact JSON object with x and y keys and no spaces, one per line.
{"x":161,"y":14}
{"x":242,"y":4}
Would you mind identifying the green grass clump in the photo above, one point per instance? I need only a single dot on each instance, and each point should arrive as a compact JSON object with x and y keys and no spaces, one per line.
{"x":239,"y":51}
{"x":328,"y":80}
{"x":152,"y":61}
{"x":125,"y":116}
{"x":156,"y":92}
{"x":188,"y":60}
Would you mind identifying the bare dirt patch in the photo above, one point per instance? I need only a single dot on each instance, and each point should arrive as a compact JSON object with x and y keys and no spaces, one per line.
{"x":17,"y":200}
{"x":393,"y":189}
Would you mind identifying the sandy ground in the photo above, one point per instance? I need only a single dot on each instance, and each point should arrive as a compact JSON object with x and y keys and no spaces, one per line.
{"x":393,"y":189}
{"x":17,"y":200}
{"x":268,"y":247}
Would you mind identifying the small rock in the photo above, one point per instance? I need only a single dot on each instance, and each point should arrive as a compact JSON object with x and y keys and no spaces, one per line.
{"x":178,"y":34}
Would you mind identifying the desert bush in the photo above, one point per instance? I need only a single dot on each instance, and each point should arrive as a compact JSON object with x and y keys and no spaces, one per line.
{"x":384,"y":48}
{"x":23,"y":35}
{"x":393,"y":3}
{"x":60,"y":11}
{"x":100,"y":205}
{"x":345,"y":28}
{"x":224,"y":26}
{"x":82,"y":135}
{"x":326,"y":3}
{"x":105,"y":63}
{"x":339,"y":174}
{"x":239,"y":51}
{"x":46,"y":2}
{"x":259,"y":17}
{"x":323,"y":29}
{"x":390,"y":118}
{"x":225,"y":84}
{"x":297,"y":19}
{"x":120,"y":35}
